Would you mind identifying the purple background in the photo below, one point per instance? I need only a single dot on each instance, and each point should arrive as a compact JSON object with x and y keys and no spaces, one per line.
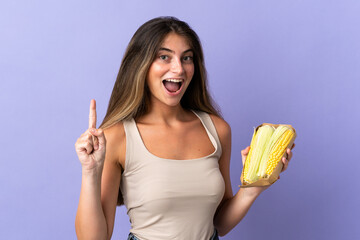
{"x":295,"y":62}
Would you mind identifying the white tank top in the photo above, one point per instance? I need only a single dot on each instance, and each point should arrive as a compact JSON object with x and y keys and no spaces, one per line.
{"x":167,"y":198}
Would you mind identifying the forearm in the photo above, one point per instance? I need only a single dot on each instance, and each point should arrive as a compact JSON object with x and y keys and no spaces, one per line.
{"x":233,"y":211}
{"x":90,"y":220}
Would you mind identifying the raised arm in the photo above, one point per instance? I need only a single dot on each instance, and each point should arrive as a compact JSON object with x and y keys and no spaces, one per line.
{"x":100,"y":181}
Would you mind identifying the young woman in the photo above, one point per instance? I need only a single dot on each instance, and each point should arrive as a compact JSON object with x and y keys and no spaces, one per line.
{"x":162,"y":148}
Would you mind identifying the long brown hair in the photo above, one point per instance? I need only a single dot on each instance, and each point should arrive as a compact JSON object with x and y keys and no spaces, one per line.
{"x":130,"y":95}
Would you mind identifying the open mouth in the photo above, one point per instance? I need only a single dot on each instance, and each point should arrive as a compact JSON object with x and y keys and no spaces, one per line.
{"x":173,"y":85}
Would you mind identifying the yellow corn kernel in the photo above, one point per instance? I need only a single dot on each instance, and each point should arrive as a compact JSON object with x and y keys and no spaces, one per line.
{"x":278,"y":151}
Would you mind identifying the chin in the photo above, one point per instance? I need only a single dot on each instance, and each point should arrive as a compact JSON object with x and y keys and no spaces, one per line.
{"x":172,"y":103}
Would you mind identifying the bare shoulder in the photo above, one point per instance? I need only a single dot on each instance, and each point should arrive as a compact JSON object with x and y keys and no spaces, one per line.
{"x":115,"y":132}
{"x":116,"y":143}
{"x":222,"y":127}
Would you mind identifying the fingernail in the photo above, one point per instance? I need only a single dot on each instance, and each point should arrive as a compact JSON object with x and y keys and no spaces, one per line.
{"x":92,"y":130}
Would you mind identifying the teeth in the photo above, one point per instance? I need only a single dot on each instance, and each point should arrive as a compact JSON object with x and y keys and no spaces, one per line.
{"x":174,"y":80}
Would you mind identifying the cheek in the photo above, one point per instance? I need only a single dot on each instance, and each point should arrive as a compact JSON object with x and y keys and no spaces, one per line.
{"x":189,"y":75}
{"x":190,"y":71}
{"x":157,"y":70}
{"x":152,"y":76}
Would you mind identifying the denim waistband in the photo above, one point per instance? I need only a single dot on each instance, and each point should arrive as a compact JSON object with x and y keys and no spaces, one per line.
{"x":215,"y":236}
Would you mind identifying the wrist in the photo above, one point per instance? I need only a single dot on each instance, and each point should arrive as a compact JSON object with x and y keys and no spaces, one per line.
{"x":252,"y":192}
{"x":93,"y":172}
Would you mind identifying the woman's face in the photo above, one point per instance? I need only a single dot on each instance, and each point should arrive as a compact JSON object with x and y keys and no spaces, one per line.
{"x":171,"y":71}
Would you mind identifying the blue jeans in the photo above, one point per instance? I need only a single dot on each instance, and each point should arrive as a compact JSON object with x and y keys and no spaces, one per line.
{"x":215,"y":236}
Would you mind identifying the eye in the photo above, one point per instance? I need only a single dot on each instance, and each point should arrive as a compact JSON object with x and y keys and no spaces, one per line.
{"x":164,"y":57}
{"x":188,"y":59}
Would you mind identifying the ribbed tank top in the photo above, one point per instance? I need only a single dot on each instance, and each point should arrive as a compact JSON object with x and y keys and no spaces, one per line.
{"x":167,"y":198}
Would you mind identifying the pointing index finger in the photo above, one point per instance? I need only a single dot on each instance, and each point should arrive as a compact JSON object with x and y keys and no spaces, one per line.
{"x":92,"y":114}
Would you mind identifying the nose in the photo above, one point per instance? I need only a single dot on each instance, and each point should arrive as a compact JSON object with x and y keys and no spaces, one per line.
{"x":177,"y":66}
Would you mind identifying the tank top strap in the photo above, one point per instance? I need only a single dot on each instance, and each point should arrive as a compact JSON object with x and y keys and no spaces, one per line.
{"x":133,"y":144}
{"x":210,"y":127}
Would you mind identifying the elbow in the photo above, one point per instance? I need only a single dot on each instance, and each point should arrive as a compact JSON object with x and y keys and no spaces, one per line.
{"x":77,"y":227}
{"x":83,"y":233}
{"x":222,"y":232}
{"x":221,"y":229}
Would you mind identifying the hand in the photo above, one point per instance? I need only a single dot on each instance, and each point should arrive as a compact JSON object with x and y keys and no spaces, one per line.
{"x":244,"y":153}
{"x":91,"y":145}
{"x":287,"y":158}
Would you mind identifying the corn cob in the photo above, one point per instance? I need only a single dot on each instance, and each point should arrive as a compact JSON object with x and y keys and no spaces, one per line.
{"x":247,"y":163}
{"x":278,"y":151}
{"x":266,"y":149}
{"x":273,"y":140}
{"x":262,"y":138}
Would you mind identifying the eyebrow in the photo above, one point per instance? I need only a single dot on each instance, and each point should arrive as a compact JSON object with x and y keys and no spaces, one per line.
{"x":169,"y":50}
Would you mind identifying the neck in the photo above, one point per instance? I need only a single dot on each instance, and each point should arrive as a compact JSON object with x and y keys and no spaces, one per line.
{"x":162,"y":113}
